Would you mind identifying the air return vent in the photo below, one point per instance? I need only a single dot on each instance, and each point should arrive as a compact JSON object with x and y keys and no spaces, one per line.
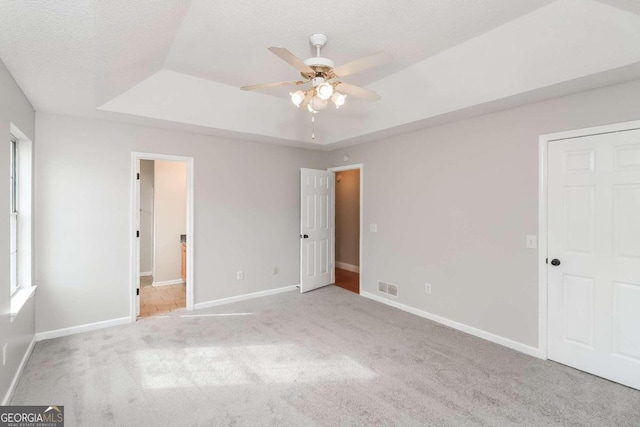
{"x":383,"y":287}
{"x":393,"y":290}
{"x":388,"y":288}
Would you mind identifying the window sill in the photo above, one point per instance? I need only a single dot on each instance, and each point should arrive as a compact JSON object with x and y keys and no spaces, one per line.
{"x":19,"y":299}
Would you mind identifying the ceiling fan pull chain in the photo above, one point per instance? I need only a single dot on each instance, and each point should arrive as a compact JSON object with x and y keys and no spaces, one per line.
{"x":313,"y":126}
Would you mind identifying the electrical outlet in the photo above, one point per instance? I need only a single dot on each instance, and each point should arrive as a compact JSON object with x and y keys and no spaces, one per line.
{"x":427,"y":288}
{"x":240,"y":275}
{"x":373,"y":228}
{"x":275,"y":270}
{"x":4,"y":353}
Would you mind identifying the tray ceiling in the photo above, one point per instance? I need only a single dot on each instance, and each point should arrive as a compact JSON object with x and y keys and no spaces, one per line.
{"x":181,"y":62}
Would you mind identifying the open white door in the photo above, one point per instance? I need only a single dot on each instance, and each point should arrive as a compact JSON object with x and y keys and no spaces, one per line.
{"x":594,"y":254}
{"x":137,"y":220}
{"x":316,"y":229}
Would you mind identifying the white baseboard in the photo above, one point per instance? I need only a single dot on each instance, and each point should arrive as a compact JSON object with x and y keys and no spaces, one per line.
{"x":348,"y":267}
{"x":82,"y":328}
{"x":514,"y":345}
{"x":169,"y":282}
{"x":16,"y":377}
{"x":145,"y":273}
{"x":229,"y":300}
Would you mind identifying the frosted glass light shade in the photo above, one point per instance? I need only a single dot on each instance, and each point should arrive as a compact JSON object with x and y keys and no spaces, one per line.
{"x":338,"y":99}
{"x":318,"y":104}
{"x":297,"y":97}
{"x":324,"y":91}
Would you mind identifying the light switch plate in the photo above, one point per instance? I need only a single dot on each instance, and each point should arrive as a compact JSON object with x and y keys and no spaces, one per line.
{"x":532,"y":242}
{"x":373,"y":228}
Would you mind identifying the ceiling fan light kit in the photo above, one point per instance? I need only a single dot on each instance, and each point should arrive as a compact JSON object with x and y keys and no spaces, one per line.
{"x":322,"y":79}
{"x":321,"y":90}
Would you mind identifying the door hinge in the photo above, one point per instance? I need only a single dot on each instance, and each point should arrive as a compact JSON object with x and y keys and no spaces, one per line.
{"x":138,"y":177}
{"x":138,"y":233}
{"x":137,"y":291}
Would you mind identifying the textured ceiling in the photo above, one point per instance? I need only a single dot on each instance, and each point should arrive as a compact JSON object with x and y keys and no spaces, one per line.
{"x":182,"y":61}
{"x":68,"y":56}
{"x":227,"y":41}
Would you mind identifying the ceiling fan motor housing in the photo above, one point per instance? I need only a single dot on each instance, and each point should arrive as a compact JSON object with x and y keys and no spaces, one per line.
{"x":319,"y":63}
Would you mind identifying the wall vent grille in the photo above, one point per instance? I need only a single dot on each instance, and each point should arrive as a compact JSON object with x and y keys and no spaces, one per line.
{"x":388,"y":288}
{"x":393,"y":290}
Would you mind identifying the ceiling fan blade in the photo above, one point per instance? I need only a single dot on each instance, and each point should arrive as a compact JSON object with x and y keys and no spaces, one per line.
{"x":291,"y":59}
{"x":307,"y":100}
{"x":362,"y":64}
{"x":276,"y":84}
{"x":357,"y":91}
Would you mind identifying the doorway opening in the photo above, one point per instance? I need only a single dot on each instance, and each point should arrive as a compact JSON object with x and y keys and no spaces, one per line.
{"x":163,"y":224}
{"x":162,"y":242}
{"x":348,"y":226}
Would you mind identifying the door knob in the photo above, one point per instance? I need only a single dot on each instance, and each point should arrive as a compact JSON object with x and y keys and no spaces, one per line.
{"x":555,"y":262}
{"x":304,"y":236}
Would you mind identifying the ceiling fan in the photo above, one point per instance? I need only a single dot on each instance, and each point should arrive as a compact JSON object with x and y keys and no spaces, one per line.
{"x":322,"y":80}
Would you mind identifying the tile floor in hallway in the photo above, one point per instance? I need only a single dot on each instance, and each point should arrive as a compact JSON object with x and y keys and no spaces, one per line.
{"x":160,"y":299}
{"x":146,"y":281}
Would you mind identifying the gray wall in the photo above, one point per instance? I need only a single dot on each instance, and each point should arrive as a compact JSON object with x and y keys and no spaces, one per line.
{"x":146,"y":216}
{"x":348,"y":217}
{"x":246,"y":215}
{"x":16,"y":109}
{"x":453,"y":204}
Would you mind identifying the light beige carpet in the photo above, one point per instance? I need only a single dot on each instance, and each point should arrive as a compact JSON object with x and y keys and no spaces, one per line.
{"x":329,"y":357}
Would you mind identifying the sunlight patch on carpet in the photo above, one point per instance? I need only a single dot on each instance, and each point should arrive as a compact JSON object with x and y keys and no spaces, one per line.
{"x":217,"y":315}
{"x":257,"y":364}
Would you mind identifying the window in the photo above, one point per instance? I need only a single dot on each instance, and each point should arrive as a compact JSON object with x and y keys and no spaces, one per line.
{"x":20,"y":218}
{"x":13,"y":205}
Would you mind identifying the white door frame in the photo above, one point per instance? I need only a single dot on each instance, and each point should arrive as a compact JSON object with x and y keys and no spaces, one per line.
{"x":135,"y":242}
{"x":359,"y":166}
{"x":153,"y":238}
{"x":543,"y":283}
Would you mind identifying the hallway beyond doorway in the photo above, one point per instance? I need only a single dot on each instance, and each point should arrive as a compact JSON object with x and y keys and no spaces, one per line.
{"x":161,"y":299}
{"x":348,"y":280}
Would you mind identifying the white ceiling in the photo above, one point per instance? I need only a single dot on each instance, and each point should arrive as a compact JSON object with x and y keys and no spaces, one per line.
{"x":179,"y":63}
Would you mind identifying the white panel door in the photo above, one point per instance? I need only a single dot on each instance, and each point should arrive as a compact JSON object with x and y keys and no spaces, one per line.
{"x":594,"y":254}
{"x":316,"y":229}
